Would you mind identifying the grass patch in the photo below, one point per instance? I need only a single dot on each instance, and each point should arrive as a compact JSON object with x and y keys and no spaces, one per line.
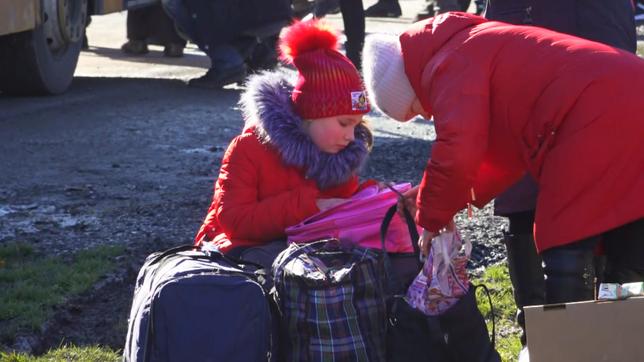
{"x":32,"y":284}
{"x":497,"y":279}
{"x":67,"y":353}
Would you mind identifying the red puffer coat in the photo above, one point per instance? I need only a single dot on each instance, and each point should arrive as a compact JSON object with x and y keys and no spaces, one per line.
{"x":509,"y":98}
{"x":272,"y":174}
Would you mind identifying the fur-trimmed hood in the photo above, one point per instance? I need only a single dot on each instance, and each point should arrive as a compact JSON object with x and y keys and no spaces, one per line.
{"x":267,"y":109}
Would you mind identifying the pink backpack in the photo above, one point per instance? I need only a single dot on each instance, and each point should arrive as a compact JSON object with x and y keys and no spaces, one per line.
{"x":357,"y":222}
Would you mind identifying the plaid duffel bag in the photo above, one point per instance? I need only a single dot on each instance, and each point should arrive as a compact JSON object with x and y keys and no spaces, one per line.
{"x":332,"y":302}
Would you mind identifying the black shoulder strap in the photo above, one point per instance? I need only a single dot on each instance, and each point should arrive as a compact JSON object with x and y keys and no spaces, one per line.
{"x":411,"y":226}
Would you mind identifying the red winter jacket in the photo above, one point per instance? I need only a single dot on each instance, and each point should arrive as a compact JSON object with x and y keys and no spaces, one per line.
{"x":272,"y":174}
{"x":508,"y":98}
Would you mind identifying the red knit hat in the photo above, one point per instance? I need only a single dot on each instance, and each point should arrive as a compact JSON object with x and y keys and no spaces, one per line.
{"x":328,"y":84}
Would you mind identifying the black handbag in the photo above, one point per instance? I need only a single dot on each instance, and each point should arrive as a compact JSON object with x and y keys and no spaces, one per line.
{"x":411,"y":336}
{"x":458,"y":335}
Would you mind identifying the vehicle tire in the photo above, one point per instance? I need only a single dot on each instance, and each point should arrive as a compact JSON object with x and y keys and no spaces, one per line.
{"x":30,"y":65}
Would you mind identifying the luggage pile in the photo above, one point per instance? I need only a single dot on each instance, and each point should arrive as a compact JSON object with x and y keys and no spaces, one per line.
{"x":330,"y":302}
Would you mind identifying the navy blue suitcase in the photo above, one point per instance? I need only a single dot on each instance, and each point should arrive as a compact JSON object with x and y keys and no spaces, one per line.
{"x":199,"y":306}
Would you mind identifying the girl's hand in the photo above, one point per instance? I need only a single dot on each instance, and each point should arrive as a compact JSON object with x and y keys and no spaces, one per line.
{"x":425,"y":240}
{"x":324,"y":204}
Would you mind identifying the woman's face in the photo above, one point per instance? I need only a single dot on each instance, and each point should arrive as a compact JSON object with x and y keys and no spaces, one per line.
{"x":332,"y":134}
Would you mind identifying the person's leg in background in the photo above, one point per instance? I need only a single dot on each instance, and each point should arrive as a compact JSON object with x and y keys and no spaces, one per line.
{"x":608,"y":22}
{"x":137,"y":32}
{"x":480,"y":6}
{"x":427,"y":12}
{"x":301,"y":8}
{"x":518,"y":204}
{"x":524,"y":265}
{"x":570,"y":271}
{"x":443,"y":6}
{"x":353,"y":16}
{"x":436,"y":7}
{"x":384,"y":9}
{"x":227,"y":67}
{"x":163,"y":30}
{"x":196,"y":19}
{"x":624,"y":248}
{"x":85,"y":44}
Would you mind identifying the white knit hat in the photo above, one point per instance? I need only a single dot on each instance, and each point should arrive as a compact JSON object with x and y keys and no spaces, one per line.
{"x":384,"y":75}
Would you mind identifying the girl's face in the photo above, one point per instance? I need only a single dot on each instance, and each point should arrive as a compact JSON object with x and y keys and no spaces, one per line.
{"x":333,"y":134}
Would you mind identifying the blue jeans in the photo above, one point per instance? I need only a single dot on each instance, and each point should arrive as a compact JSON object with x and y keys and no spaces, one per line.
{"x":196,"y":19}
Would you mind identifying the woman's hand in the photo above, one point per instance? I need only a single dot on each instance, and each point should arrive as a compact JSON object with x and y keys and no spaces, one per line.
{"x":408,"y":201}
{"x":324,"y":204}
{"x":425,"y":240}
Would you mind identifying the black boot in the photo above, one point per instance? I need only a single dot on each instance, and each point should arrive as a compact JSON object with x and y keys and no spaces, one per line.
{"x":217,"y":79}
{"x":570,"y":274}
{"x":526,"y":274}
{"x":384,"y":9}
{"x":465,"y":332}
{"x":354,"y":53}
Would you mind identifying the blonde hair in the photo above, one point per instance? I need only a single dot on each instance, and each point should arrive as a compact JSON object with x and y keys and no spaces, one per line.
{"x":368,"y":133}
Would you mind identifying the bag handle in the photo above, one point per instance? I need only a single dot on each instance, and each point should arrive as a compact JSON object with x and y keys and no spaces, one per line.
{"x":411,"y":227}
{"x":489,"y":298}
{"x":300,"y":249}
{"x":213,"y":255}
{"x":413,"y":233}
{"x":172,"y":251}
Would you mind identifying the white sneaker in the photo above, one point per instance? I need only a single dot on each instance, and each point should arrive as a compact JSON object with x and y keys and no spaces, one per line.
{"x":524,"y":355}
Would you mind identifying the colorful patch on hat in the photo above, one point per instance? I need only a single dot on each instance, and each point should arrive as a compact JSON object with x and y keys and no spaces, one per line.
{"x":359,"y":101}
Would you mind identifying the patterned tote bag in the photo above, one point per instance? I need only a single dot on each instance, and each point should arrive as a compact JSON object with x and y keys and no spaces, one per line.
{"x":332,"y":302}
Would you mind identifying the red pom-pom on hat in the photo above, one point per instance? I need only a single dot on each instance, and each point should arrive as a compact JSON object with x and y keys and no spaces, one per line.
{"x":328,"y":84}
{"x":306,"y":36}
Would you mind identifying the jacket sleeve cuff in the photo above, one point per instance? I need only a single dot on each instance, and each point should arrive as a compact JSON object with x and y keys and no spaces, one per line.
{"x":367,"y":183}
{"x":433,"y":221}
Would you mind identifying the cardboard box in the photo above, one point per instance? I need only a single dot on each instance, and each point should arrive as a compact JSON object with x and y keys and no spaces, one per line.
{"x":587,"y":331}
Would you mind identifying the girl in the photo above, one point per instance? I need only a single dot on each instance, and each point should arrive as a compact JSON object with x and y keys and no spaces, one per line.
{"x":299,"y":152}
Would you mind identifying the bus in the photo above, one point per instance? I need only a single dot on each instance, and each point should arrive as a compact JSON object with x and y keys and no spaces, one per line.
{"x":40,"y":41}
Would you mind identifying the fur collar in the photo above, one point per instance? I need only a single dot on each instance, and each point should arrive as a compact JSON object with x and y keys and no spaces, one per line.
{"x":266,"y":106}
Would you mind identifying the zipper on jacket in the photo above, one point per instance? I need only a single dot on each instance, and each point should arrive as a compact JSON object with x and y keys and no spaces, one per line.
{"x":470,"y":213}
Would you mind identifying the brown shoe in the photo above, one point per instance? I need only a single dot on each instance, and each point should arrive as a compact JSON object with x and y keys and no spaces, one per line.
{"x":173,"y":50}
{"x":135,"y":47}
